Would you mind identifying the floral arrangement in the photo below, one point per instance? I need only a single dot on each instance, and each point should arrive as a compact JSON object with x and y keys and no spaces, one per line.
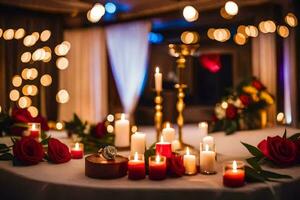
{"x":16,"y":122}
{"x":242,"y":108}
{"x":27,"y":151}
{"x":280,"y":151}
{"x":92,"y":136}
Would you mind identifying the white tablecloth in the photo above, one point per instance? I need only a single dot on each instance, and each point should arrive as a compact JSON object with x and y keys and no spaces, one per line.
{"x":67,"y":181}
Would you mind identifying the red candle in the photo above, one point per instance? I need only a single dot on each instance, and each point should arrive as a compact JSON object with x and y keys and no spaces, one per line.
{"x":157,"y":167}
{"x":234,"y":176}
{"x":77,"y":151}
{"x":34,"y":133}
{"x":164,"y":148}
{"x":34,"y":130}
{"x":136,"y":168}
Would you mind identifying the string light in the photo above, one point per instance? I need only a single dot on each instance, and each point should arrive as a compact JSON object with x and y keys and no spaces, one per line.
{"x":224,"y":14}
{"x":251,"y":31}
{"x":24,"y":102}
{"x":17,"y":81}
{"x":62,"y":63}
{"x":231,"y":8}
{"x":14,"y":95}
{"x":189,"y":37}
{"x":283,"y":31}
{"x":222,"y":34}
{"x":291,"y":20}
{"x":29,"y":41}
{"x":45,"y":35}
{"x":46,"y":80}
{"x":62,"y":96}
{"x":26,"y":57}
{"x":210,"y":33}
{"x":8,"y":34}
{"x":190,"y":13}
{"x":33,"y":111}
{"x":19,"y":33}
{"x":95,"y":14}
{"x":240,"y":39}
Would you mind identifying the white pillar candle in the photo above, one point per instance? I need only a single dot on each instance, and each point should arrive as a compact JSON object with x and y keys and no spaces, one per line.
{"x":209,"y":140}
{"x":207,"y":160}
{"x":158,"y":80}
{"x":168,"y":133}
{"x":138,"y":143}
{"x":122,"y":129}
{"x":189,"y":162}
{"x":203,"y":129}
{"x":175,"y":145}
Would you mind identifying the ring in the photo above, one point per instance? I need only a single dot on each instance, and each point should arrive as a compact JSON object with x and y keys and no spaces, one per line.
{"x":108,"y":152}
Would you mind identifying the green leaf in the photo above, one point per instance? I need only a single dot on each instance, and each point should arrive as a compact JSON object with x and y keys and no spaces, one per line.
{"x":254,"y":162}
{"x":231,"y":127}
{"x":253,"y":150}
{"x":294,"y":137}
{"x":45,"y":141}
{"x":284,"y":134}
{"x":273,"y":175}
{"x":253,"y":176}
{"x":6,"y":156}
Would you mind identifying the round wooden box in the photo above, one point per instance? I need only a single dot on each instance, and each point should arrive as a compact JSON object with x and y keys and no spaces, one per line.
{"x":98,"y":167}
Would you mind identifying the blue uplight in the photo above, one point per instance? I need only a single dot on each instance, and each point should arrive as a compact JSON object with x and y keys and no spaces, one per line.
{"x":155,"y":38}
{"x":110,"y":7}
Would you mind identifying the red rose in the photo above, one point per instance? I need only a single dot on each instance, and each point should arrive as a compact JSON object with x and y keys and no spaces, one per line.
{"x":258,"y":85}
{"x":58,"y":152}
{"x":231,"y":111}
{"x":279,"y":150}
{"x":28,"y":151}
{"x":245,"y":99}
{"x":297,"y":143}
{"x":99,"y":130}
{"x":175,"y":166}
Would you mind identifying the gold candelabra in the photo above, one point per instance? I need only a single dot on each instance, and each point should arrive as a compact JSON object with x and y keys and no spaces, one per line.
{"x":158,"y":114}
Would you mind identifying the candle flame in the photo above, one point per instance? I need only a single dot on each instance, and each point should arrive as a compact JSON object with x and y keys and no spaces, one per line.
{"x":187,"y":151}
{"x":136,"y":156}
{"x":122,"y":116}
{"x":234,"y":166}
{"x":157,"y":70}
{"x":206,"y":147}
{"x":161,"y":138}
{"x":203,"y":124}
{"x":157,"y":158}
{"x":168,"y":125}
{"x":76,"y":146}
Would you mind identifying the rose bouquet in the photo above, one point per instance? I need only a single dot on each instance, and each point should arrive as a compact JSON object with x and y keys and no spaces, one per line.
{"x":242,"y":108}
{"x":27,"y":151}
{"x":280,"y":151}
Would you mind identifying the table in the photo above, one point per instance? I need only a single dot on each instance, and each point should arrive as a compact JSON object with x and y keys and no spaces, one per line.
{"x":67,"y":181}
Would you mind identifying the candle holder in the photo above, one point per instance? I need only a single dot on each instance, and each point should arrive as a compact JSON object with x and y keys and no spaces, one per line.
{"x":208,"y":158}
{"x":136,"y":167}
{"x":76,"y":150}
{"x":234,"y":173}
{"x":157,"y":167}
{"x":34,"y":130}
{"x":158,"y":114}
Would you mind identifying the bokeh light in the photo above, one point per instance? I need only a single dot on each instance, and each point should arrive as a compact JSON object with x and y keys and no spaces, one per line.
{"x":8,"y":34}
{"x":33,"y":111}
{"x":110,"y":7}
{"x":62,"y":63}
{"x":59,"y":126}
{"x":46,"y":80}
{"x":240,"y":39}
{"x":20,"y":33}
{"x":283,"y":31}
{"x":188,"y":37}
{"x":24,"y":102}
{"x":95,"y":14}
{"x":110,"y":118}
{"x":17,"y":81}
{"x":14,"y":95}
{"x":224,"y":14}
{"x":251,"y":31}
{"x":62,"y":96}
{"x":190,"y":14}
{"x":231,"y":8}
{"x":291,"y":20}
{"x":29,"y":41}
{"x":26,"y":57}
{"x":210,"y":33}
{"x":222,"y":34}
{"x":45,"y":35}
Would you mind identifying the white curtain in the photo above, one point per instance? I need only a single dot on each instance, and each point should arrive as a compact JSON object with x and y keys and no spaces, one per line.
{"x":86,"y":77}
{"x":265,"y":65}
{"x":128,"y":53}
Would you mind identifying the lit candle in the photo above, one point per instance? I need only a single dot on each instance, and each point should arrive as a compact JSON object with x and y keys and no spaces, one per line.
{"x":158,"y":80}
{"x":138,"y":143}
{"x":77,"y":150}
{"x":136,"y":167}
{"x":168,"y":133}
{"x":34,"y":130}
{"x":234,"y":174}
{"x":207,"y":159}
{"x":209,"y":140}
{"x":157,"y":167}
{"x":163,"y":148}
{"x":189,"y":162}
{"x":122,"y":132}
{"x":203,"y":129}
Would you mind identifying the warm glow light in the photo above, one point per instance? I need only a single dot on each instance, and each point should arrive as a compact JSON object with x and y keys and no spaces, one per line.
{"x":136,"y":156}
{"x":95,"y":14}
{"x":280,"y":117}
{"x":36,"y":36}
{"x":14,"y":95}
{"x":190,"y":13}
{"x":222,"y":35}
{"x":123,"y":116}
{"x":251,"y":31}
{"x":17,"y":81}
{"x":234,"y":166}
{"x":24,"y":73}
{"x":31,"y":90}
{"x":20,"y":33}
{"x":0,"y":109}
{"x":283,"y":31}
{"x":1,"y":32}
{"x":76,"y":146}
{"x":224,"y":14}
{"x":189,"y":37}
{"x":270,"y":26}
{"x":187,"y":151}
{"x":157,"y":159}
{"x":206,"y":147}
{"x":62,"y":63}
{"x":224,"y":105}
{"x":62,"y":96}
{"x":29,"y":41}
{"x":242,"y":29}
{"x":33,"y":111}
{"x":291,"y":20}
{"x":261,"y":27}
{"x":29,"y":74}
{"x":240,"y":39}
{"x":38,"y":54}
{"x":8,"y":34}
{"x":110,"y":128}
{"x":231,"y":8}
{"x":161,"y":138}
{"x":59,"y":126}
{"x":110,"y":118}
{"x":26,"y":57}
{"x":46,"y":80}
{"x":24,"y":102}
{"x":210,"y":33}
{"x":134,"y":129}
{"x":45,"y":35}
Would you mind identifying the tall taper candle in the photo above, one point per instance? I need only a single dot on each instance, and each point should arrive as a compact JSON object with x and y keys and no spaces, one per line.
{"x":158,"y":80}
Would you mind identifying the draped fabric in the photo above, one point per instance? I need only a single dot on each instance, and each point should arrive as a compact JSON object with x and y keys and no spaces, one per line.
{"x":289,"y":74}
{"x":128,"y":52}
{"x":265,"y":66}
{"x":86,"y":77}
